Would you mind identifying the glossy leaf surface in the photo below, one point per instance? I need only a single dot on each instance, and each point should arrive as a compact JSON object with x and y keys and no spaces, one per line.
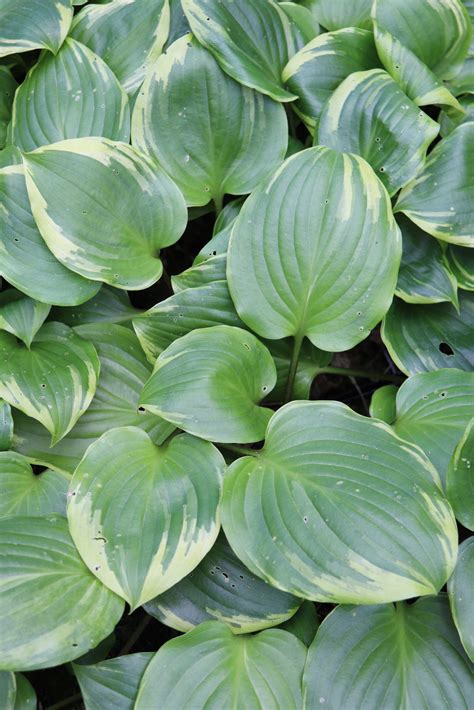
{"x":28,"y":25}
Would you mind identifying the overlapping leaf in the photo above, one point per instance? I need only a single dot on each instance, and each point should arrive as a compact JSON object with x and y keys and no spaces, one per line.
{"x":8,"y":86}
{"x":21,"y":316}
{"x":460,"y":478}
{"x":336,"y":14}
{"x":460,"y":588}
{"x":112,"y":683}
{"x":26,"y":493}
{"x":31,"y":25}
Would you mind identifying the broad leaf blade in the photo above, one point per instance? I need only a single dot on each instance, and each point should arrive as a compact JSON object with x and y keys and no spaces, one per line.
{"x":112,"y":683}
{"x":24,"y":493}
{"x":34,"y":25}
{"x":460,"y":479}
{"x":21,"y":316}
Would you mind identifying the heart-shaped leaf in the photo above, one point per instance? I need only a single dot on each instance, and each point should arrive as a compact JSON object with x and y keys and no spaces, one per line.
{"x":89,"y":100}
{"x":112,"y":683}
{"x":26,"y":493}
{"x":143,"y":518}
{"x":21,"y":316}
{"x":440,"y":200}
{"x":34,"y":25}
{"x":8,"y":86}
{"x":211,"y":668}
{"x":123,"y":372}
{"x":26,"y":261}
{"x":368,"y":115}
{"x":6,"y":426}
{"x":52,"y":609}
{"x":318,"y":69}
{"x":424,"y":276}
{"x":120,"y":209}
{"x":423,"y":338}
{"x":388,"y":656}
{"x":53,"y":381}
{"x":460,"y":479}
{"x":460,"y":587}
{"x":337,"y":508}
{"x":321,"y":258}
{"x":433,"y":410}
{"x":226,"y":140}
{"x":221,"y":588}
{"x":336,"y":14}
{"x":209,"y":383}
{"x":251,"y":40}
{"x":127,"y":34}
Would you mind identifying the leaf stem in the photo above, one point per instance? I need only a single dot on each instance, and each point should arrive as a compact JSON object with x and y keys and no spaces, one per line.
{"x":368,"y":374}
{"x":293,"y":366}
{"x":218,"y":202}
{"x":242,"y":450}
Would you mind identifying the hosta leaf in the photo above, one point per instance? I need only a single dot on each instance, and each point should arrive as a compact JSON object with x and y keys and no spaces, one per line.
{"x":441,"y":200}
{"x":109,"y":306}
{"x":112,"y":683}
{"x":209,"y":383}
{"x":251,"y":40}
{"x":127,"y":34}
{"x":88,"y":100}
{"x":303,"y":624}
{"x":25,"y":698}
{"x":418,"y":59}
{"x":424,"y":276}
{"x":337,"y":508}
{"x":460,"y":478}
{"x":221,"y":588}
{"x":460,"y":587}
{"x":6,"y":426}
{"x":178,"y":315}
{"x":8,"y":87}
{"x":121,"y":209}
{"x":52,"y":609}
{"x":10,"y":156}
{"x":212,"y":668}
{"x":201,"y":274}
{"x":217,"y":246}
{"x":21,"y":316}
{"x":54,"y":381}
{"x":388,"y":656}
{"x":303,"y":23}
{"x":24,"y":493}
{"x":334,"y":278}
{"x":123,"y":372}
{"x":179,"y":25}
{"x":25,"y":260}
{"x":225,"y":140}
{"x":29,"y":24}
{"x":461,"y":263}
{"x":318,"y":69}
{"x":145,"y":517}
{"x":336,"y":14}
{"x":383,"y":404}
{"x":310,"y":360}
{"x":7,"y":690}
{"x":450,"y":118}
{"x":433,"y":410}
{"x":422,"y":338}
{"x":368,"y":115}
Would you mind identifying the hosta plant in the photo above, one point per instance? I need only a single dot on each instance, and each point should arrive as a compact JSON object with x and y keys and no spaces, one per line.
{"x":236,"y":354}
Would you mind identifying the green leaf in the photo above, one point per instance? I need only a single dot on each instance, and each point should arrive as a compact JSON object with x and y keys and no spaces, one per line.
{"x":88,"y":100}
{"x":212,"y":668}
{"x":8,"y":86}
{"x":128,"y":35}
{"x":6,"y":426}
{"x":179,"y":25}
{"x":303,"y":624}
{"x":21,"y":316}
{"x":368,"y":115}
{"x":329,"y":283}
{"x":109,"y":306}
{"x":303,"y":22}
{"x":337,"y":508}
{"x":251,"y":40}
{"x":121,"y":209}
{"x":424,"y":276}
{"x":225,"y":140}
{"x":24,"y":493}
{"x":336,"y":14}
{"x":200,"y":307}
{"x":25,"y":698}
{"x":460,"y":587}
{"x":450,"y":118}
{"x":52,"y":609}
{"x":383,"y":404}
{"x":25,"y":260}
{"x":318,"y":69}
{"x":416,"y":58}
{"x":221,"y":588}
{"x":433,"y":410}
{"x":201,"y":274}
{"x":440,"y":200}
{"x":144,"y":518}
{"x":460,"y":479}
{"x":209,"y":383}
{"x":403,"y":656}
{"x":461,"y":263}
{"x":7,"y":690}
{"x":53,"y":381}
{"x":30,"y":24}
{"x":310,"y":361}
{"x":112,"y":683}
{"x":423,"y":338}
{"x":123,"y":372}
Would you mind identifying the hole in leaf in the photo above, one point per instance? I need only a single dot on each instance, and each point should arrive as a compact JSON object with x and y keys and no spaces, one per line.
{"x":141,"y":409}
{"x":38,"y":470}
{"x":445,"y":349}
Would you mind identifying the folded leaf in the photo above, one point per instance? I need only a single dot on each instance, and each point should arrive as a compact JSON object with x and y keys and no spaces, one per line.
{"x":21,"y":316}
{"x":460,"y":588}
{"x":460,"y":479}
{"x":26,"y":493}
{"x":30,"y":24}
